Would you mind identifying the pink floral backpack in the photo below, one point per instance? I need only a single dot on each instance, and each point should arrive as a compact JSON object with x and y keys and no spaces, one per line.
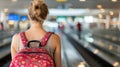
{"x":33,"y":55}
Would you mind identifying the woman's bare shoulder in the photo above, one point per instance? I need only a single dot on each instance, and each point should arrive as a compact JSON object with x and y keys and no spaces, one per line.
{"x":56,"y":40}
{"x":56,"y":37}
{"x":15,"y":39}
{"x":15,"y":36}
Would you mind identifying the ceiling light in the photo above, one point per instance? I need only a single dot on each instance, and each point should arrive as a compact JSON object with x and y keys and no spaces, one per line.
{"x":11,"y":22}
{"x":103,"y":10}
{"x":111,"y":13}
{"x":61,"y":0}
{"x":110,"y":47}
{"x":5,"y":10}
{"x":100,"y":16}
{"x":14,"y":0}
{"x":82,"y":0}
{"x":82,"y":64}
{"x":116,"y":64}
{"x":96,"y":51}
{"x":114,"y":0}
{"x":99,"y":6}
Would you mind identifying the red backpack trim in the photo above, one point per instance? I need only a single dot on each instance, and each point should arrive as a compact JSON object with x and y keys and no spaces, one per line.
{"x":23,"y":38}
{"x":46,"y":38}
{"x":43,"y":41}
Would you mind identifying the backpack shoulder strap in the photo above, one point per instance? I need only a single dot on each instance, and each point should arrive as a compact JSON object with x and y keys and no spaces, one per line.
{"x":46,"y":38}
{"x":23,"y":38}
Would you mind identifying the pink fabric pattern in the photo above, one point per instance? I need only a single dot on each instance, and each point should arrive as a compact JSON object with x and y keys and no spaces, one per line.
{"x":33,"y":57}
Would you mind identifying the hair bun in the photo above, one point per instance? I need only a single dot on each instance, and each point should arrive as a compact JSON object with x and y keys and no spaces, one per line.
{"x":38,"y":10}
{"x":40,"y":2}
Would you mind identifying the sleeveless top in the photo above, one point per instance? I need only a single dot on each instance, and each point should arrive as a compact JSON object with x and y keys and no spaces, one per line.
{"x":48,"y":45}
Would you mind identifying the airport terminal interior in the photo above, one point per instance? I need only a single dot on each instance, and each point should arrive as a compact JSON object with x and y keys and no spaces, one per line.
{"x":89,"y":30}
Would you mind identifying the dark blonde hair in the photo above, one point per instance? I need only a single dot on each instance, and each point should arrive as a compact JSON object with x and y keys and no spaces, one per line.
{"x":38,"y":10}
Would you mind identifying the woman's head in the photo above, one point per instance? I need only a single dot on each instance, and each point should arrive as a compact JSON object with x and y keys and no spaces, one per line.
{"x":38,"y":11}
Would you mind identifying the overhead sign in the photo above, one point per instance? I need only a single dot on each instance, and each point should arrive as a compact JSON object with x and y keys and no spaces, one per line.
{"x":13,"y":16}
{"x":24,"y":18}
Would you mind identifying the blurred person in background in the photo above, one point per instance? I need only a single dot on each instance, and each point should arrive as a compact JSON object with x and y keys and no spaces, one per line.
{"x":1,"y":26}
{"x":38,"y":12}
{"x":61,"y":27}
{"x":79,"y":30}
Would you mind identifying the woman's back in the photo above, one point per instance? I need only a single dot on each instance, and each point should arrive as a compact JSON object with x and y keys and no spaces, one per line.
{"x":37,"y":13}
{"x":39,"y":35}
{"x":53,"y":44}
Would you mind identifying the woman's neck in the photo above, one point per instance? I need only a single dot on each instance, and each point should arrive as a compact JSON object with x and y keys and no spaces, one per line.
{"x":36,"y":26}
